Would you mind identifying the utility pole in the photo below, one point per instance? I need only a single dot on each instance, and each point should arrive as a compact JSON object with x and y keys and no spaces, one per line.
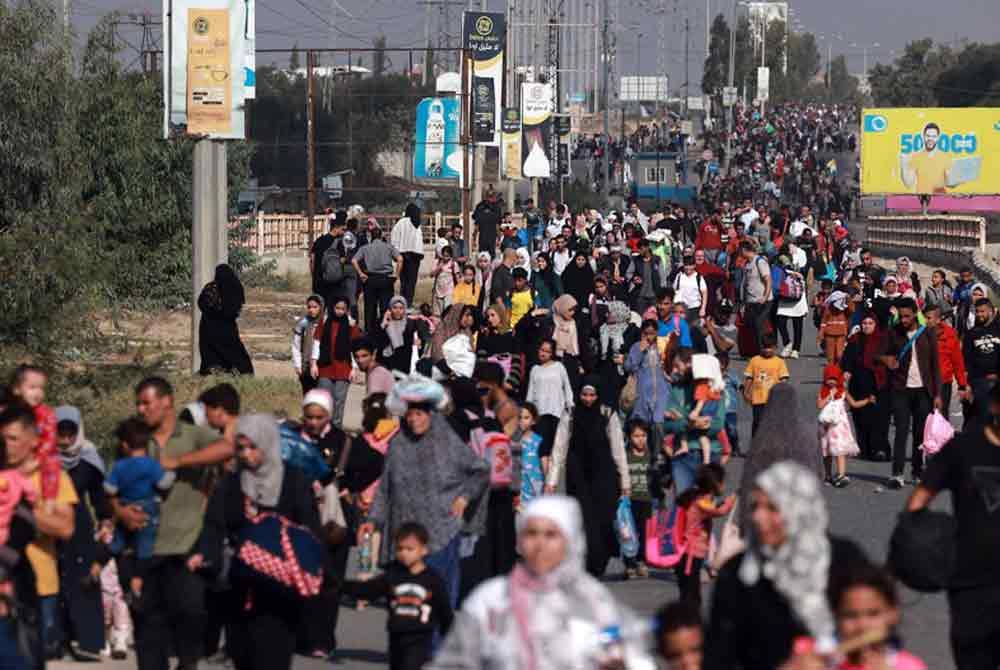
{"x":732,"y":83}
{"x":687,"y":68}
{"x":311,"y":144}
{"x":606,"y":101}
{"x":708,"y":26}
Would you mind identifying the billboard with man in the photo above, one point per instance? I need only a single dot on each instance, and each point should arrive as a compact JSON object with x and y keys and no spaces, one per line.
{"x":930,"y":151}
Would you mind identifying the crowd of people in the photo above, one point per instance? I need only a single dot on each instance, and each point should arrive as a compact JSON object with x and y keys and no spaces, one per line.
{"x":561,"y":397}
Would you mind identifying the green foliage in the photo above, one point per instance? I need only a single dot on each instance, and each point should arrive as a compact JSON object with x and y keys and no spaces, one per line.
{"x":843,"y":86}
{"x":910,"y":81}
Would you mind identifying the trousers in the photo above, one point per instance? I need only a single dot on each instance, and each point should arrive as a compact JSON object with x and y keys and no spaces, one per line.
{"x":170,"y":615}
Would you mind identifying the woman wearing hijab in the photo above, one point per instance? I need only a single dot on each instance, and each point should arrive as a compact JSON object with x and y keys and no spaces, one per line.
{"x":548,"y":614}
{"x":545,"y":282}
{"x":219,"y":341}
{"x":408,"y":240}
{"x":578,"y":279}
{"x":80,"y":592}
{"x":524,"y":260}
{"x":868,"y":380}
{"x":496,"y":344}
{"x":590,"y":447}
{"x":567,"y":338}
{"x":431,"y":477}
{"x":263,"y":635}
{"x":484,"y":275}
{"x":399,"y":333}
{"x":776,"y":590}
{"x":332,"y":364}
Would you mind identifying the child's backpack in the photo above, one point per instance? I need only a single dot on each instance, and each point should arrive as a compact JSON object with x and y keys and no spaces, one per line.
{"x":495,"y":448}
{"x":792,"y":287}
{"x":665,"y":536}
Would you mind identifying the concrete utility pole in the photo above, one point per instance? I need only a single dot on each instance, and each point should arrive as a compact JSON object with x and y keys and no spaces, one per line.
{"x":606,"y":101}
{"x":687,"y":68}
{"x":732,"y":83}
{"x":209,"y":232}
{"x":311,"y":145}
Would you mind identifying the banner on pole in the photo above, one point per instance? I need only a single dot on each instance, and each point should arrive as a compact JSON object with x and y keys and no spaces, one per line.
{"x":536,"y":133}
{"x":484,"y":36}
{"x":437,"y":152}
{"x":511,"y":146}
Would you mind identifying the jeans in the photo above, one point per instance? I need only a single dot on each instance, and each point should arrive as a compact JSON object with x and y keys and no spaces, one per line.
{"x":338,"y":388}
{"x":796,"y":330}
{"x":685,"y":467}
{"x":689,"y":581}
{"x":51,"y":632}
{"x":11,"y":657}
{"x":910,"y":408}
{"x":140,"y":541}
{"x":733,"y":432}
{"x":446,"y":562}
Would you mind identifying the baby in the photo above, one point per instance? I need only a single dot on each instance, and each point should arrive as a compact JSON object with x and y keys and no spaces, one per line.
{"x":708,"y":388}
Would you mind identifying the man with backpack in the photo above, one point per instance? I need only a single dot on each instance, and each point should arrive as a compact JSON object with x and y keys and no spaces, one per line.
{"x":377,"y":264}
{"x":756,"y":291}
{"x":691,"y":289}
{"x":319,"y":248}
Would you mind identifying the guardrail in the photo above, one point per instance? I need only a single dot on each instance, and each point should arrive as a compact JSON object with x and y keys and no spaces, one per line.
{"x":288,"y":232}
{"x":935,"y":233}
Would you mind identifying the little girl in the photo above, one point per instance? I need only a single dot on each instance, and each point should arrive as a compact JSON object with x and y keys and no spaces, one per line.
{"x":835,"y":436}
{"x":698,"y":506}
{"x":832,"y":335}
{"x":864,"y":602}
{"x":640,"y":472}
{"x":445,"y":275}
{"x":29,"y":386}
{"x":549,"y":390}
{"x":532,"y":477}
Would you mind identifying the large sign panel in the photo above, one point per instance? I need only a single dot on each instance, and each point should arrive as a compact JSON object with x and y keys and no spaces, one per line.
{"x":930,"y":151}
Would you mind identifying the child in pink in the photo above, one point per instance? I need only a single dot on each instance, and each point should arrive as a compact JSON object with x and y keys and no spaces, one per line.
{"x":14,"y":487}
{"x":29,"y":386}
{"x":697,"y":507}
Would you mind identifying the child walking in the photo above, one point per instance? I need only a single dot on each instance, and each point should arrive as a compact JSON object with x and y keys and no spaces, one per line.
{"x":832,"y":334}
{"x":835,"y":436}
{"x":303,"y":341}
{"x":530,"y":442}
{"x":418,"y":600}
{"x":550,"y":391}
{"x":136,"y":479}
{"x":446,"y":276}
{"x":699,"y":505}
{"x":761,"y":374}
{"x":640,"y":471}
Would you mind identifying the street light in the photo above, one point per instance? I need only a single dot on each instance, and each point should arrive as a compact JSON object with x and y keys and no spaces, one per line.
{"x":865,"y":48}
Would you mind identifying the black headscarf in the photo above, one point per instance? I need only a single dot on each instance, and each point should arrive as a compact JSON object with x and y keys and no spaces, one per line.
{"x":578,"y":282}
{"x":784,"y":434}
{"x":413,"y":214}
{"x":548,"y":275}
{"x":342,"y":345}
{"x":590,"y":427}
{"x":230,"y":288}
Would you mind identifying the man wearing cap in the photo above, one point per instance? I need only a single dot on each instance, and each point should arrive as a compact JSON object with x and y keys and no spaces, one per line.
{"x":376,"y":263}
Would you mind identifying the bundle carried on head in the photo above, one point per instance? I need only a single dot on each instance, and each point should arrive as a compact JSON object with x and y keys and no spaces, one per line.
{"x":416,"y":390}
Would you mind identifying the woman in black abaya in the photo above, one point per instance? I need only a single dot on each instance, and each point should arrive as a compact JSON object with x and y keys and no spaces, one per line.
{"x":219,"y":337}
{"x":591,"y":449}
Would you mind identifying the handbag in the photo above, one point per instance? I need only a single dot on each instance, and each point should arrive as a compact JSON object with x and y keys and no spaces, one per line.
{"x":730,"y":541}
{"x":828,"y":415}
{"x":664,"y":541}
{"x":279,"y":556}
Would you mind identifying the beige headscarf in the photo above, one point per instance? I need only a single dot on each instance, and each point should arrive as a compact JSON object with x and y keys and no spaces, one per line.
{"x":567,"y":343}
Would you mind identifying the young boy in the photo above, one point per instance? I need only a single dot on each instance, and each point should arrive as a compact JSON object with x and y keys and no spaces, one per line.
{"x":640,"y":467}
{"x":303,"y":339}
{"x":136,"y":479}
{"x":679,"y":636}
{"x":522,"y":300}
{"x":734,"y":392}
{"x":762,"y":373}
{"x":418,"y":600}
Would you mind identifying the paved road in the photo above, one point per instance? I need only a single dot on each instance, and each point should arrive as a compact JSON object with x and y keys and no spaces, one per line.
{"x":863,"y":511}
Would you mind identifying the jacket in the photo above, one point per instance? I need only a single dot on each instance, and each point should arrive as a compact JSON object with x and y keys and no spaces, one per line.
{"x":981,"y":349}
{"x":925,"y":349}
{"x":950,"y":355}
{"x":637,"y":268}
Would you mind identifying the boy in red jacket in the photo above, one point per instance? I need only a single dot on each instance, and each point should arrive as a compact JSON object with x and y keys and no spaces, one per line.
{"x":950,"y":356}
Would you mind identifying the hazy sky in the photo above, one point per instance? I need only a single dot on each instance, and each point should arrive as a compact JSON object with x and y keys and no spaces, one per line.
{"x":890,"y":23}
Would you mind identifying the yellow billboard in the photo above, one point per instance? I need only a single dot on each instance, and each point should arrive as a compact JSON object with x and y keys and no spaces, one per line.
{"x":931,"y":151}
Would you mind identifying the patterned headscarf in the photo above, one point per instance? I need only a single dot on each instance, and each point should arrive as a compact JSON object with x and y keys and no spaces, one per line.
{"x":799,"y":569}
{"x":613,"y":332}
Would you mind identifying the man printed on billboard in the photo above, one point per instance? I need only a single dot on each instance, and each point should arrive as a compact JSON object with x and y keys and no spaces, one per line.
{"x":928,"y":169}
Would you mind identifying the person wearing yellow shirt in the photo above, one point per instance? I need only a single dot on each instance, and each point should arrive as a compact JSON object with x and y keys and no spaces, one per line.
{"x":54,"y":519}
{"x":522,"y":300}
{"x":760,"y":375}
{"x":927,"y":171}
{"x":467,"y":291}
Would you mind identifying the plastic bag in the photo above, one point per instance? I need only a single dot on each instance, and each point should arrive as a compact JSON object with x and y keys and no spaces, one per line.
{"x":937,"y":433}
{"x":628,"y":539}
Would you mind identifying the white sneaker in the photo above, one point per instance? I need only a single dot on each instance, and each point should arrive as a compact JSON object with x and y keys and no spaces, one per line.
{"x":794,"y":354}
{"x":787,"y":351}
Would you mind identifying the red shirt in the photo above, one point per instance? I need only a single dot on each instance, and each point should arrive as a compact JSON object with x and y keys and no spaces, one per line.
{"x":336,"y":370}
{"x":709,"y":236}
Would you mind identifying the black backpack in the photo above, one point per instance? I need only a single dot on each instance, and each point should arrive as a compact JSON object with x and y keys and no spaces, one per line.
{"x":332,"y":268}
{"x":922,"y":550}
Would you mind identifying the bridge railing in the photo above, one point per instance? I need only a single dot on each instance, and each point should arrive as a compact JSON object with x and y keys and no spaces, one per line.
{"x":935,"y":233}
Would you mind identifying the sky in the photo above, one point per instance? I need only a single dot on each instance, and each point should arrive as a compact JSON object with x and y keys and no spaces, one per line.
{"x":346,"y":23}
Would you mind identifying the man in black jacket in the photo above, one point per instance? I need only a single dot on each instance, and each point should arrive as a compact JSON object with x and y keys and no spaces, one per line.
{"x":646,"y":278}
{"x":487,"y":216}
{"x":981,"y":351}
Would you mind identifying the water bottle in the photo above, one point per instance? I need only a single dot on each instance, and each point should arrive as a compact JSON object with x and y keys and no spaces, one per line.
{"x":612,"y":645}
{"x":365,"y":558}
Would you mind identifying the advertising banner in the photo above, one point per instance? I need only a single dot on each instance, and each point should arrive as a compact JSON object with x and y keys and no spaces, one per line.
{"x":437,"y":152}
{"x":484,"y":36}
{"x":511,"y":146}
{"x":930,"y":151}
{"x":250,"y":51}
{"x":763,"y":83}
{"x":207,"y":66}
{"x":536,"y":133}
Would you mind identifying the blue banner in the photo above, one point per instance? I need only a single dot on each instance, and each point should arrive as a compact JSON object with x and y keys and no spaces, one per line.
{"x":437,"y":154}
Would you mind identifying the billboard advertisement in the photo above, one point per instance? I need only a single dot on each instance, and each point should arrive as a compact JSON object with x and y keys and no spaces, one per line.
{"x":209,"y":52}
{"x":437,"y":151}
{"x":930,"y":151}
{"x":484,"y":36}
{"x":511,"y":147}
{"x":536,"y":130}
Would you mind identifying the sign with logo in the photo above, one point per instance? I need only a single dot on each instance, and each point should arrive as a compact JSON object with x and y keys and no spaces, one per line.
{"x":437,"y":150}
{"x":728,"y":96}
{"x":209,"y":68}
{"x":536,"y":130}
{"x":484,"y":36}
{"x":930,"y":151}
{"x":510,"y":148}
{"x":763,"y":83}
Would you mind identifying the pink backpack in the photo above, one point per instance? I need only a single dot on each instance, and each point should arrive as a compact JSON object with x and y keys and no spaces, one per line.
{"x":495,"y":448}
{"x":665,"y":545}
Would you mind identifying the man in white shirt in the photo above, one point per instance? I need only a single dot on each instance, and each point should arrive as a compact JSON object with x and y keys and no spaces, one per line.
{"x":748,"y":215}
{"x":560,"y":254}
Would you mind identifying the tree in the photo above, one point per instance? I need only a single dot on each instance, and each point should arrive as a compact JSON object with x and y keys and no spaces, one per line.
{"x":843,"y":86}
{"x":294,"y":60}
{"x":378,"y":56}
{"x":973,"y":79}
{"x":716,"y":73}
{"x":911,"y":81}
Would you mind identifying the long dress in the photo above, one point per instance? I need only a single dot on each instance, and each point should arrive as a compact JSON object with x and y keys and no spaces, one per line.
{"x":592,"y":460}
{"x":218,"y":335}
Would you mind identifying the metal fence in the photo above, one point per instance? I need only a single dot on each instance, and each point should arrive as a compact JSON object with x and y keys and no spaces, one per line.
{"x":935,"y":233}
